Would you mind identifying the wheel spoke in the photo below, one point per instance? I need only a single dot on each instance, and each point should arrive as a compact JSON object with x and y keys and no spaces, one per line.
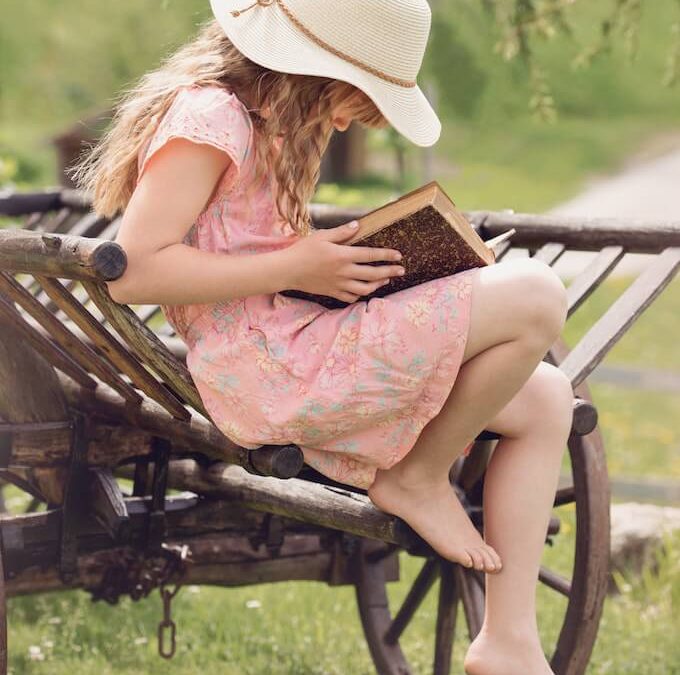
{"x":473,"y":600}
{"x":555,"y":581}
{"x":566,"y":495}
{"x":447,"y":610}
{"x":412,"y":601}
{"x":554,"y":525}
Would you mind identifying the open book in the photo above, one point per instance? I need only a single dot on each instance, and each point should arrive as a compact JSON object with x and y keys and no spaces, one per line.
{"x":433,"y":236}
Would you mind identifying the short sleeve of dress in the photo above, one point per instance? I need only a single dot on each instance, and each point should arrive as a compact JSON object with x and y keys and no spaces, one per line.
{"x":210,"y":115}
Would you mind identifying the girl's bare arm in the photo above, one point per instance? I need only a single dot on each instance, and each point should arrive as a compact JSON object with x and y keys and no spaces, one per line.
{"x":174,"y":189}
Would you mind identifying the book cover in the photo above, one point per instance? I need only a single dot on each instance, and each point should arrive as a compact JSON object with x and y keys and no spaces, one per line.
{"x":432,"y":234}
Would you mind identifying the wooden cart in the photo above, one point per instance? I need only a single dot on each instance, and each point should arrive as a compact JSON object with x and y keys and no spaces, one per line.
{"x":92,"y":391}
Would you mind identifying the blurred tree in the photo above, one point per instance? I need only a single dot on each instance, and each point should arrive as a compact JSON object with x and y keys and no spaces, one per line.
{"x":66,"y":60}
{"x":523,"y":21}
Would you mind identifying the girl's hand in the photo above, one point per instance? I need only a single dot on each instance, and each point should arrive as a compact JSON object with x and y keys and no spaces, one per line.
{"x":320,"y":263}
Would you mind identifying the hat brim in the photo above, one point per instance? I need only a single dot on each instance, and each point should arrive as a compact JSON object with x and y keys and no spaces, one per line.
{"x":266,"y":36}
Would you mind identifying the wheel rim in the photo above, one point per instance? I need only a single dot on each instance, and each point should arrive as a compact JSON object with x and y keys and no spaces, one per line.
{"x":457,"y":585}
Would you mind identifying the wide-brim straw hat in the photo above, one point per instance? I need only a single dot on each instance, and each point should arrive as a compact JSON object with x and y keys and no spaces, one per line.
{"x":376,"y":45}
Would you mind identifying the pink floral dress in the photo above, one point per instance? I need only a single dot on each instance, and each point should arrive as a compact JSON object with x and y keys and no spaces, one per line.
{"x":353,"y":387}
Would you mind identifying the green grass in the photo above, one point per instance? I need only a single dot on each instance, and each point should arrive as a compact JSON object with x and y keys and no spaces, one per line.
{"x":308,"y":628}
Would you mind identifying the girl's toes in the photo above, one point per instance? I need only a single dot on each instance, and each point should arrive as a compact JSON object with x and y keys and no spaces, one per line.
{"x":496,"y":559}
{"x":467,"y":560}
{"x":489,"y":562}
{"x":477,"y":558}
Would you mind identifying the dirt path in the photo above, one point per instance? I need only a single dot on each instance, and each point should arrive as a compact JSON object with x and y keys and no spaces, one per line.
{"x":647,"y":186}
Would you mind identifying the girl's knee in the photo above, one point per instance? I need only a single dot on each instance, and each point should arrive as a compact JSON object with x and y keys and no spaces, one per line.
{"x":541,"y":299}
{"x":554,"y":395}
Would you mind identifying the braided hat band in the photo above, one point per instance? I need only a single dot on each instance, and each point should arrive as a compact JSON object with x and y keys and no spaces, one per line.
{"x":360,"y":64}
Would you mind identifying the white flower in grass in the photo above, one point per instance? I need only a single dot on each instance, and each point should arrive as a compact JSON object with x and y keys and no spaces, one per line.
{"x":35,"y":653}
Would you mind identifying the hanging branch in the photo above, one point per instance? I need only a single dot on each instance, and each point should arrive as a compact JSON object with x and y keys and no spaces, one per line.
{"x":523,"y":21}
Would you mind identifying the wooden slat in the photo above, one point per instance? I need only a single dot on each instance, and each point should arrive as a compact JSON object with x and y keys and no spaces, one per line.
{"x":70,"y":344}
{"x":581,"y":287}
{"x":32,"y":221}
{"x":612,"y":325}
{"x":89,"y":225}
{"x":147,"y":346}
{"x":45,"y":347}
{"x":20,"y":203}
{"x":110,"y":346}
{"x":56,"y":220}
{"x":549,"y":253}
{"x":111,"y":230}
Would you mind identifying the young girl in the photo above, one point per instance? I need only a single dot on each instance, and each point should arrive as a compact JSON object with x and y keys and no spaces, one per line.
{"x":213,"y":158}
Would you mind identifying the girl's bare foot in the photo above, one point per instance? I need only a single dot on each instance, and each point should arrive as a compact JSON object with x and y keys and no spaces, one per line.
{"x":506,"y":654}
{"x":434,"y":511}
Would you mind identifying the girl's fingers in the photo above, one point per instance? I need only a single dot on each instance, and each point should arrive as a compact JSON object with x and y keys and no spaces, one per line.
{"x":373,"y":272}
{"x":362,"y":287}
{"x":363,"y":254}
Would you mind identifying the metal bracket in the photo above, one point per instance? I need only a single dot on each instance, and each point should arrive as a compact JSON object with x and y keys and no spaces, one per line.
{"x":157,"y":525}
{"x":271,"y":534}
{"x":72,"y":506}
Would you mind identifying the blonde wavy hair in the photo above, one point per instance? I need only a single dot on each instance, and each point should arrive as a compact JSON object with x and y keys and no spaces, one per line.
{"x":300,"y":107}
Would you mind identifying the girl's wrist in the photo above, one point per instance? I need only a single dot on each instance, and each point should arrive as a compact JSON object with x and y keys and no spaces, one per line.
{"x":282,"y":269}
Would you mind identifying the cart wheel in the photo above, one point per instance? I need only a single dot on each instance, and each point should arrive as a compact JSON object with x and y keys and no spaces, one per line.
{"x":577,"y":601}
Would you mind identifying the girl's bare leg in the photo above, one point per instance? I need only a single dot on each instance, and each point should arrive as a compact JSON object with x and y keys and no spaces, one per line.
{"x":519,"y":490}
{"x":518,"y":310}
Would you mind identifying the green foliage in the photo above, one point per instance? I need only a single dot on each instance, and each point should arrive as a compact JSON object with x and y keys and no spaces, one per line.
{"x":455,"y":67}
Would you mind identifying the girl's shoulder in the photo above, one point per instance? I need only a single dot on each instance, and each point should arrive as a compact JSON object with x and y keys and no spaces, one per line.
{"x":209,"y":98}
{"x":207,"y":114}
{"x":205,"y":108}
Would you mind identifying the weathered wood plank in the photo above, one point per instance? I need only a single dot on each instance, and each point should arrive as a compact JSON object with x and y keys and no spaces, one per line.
{"x":108,"y":446}
{"x":303,"y":500}
{"x":46,"y":348}
{"x":198,"y":433}
{"x":583,"y":233}
{"x":70,"y":344}
{"x":109,"y":345}
{"x":22,"y":204}
{"x":147,"y":346}
{"x":613,"y":324}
